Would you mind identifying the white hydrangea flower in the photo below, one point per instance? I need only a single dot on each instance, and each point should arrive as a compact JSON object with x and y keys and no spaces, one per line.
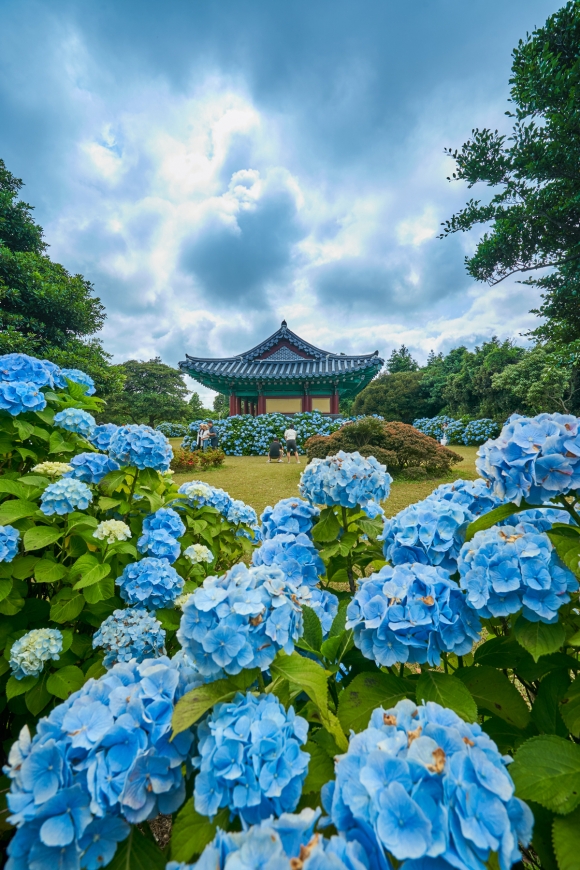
{"x":52,"y":469}
{"x":182,"y":600}
{"x":112,"y":530}
{"x":198,"y":553}
{"x":30,"y":652}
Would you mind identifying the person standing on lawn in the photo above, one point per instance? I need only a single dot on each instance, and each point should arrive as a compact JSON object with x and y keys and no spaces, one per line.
{"x":205,"y":436}
{"x":275,"y":451}
{"x":213,"y":435}
{"x":290,"y":439}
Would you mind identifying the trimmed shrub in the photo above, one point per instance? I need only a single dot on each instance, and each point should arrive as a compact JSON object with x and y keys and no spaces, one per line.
{"x":397,"y":445}
{"x":172,"y":430}
{"x":194,"y":460}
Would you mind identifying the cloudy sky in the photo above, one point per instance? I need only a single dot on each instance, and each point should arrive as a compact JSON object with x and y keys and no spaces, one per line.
{"x":214,"y":166}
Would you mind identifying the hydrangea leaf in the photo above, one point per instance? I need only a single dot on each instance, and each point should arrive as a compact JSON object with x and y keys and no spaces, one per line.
{"x":66,"y":609}
{"x":138,"y":852}
{"x":312,"y":629}
{"x":46,"y":571}
{"x":194,"y":704}
{"x":339,"y":622}
{"x":566,"y":839}
{"x":311,"y":677}
{"x":16,"y":509}
{"x":106,"y":504}
{"x":506,"y":736}
{"x":546,"y":710}
{"x":500,"y":652}
{"x":327,"y":527}
{"x":493,"y":691}
{"x":320,"y":768}
{"x":566,"y":541}
{"x":23,"y":567}
{"x":94,"y":575}
{"x":364,"y":694}
{"x":539,"y":638}
{"x":570,"y":708}
{"x":542,"y":836}
{"x":16,"y":687}
{"x":13,"y":487}
{"x":113,"y":481}
{"x":169,"y":618}
{"x":65,"y":681}
{"x":5,"y":587}
{"x":41,"y":536}
{"x":100,"y":591}
{"x":495,"y":516}
{"x":447,"y":691}
{"x":191,"y":832}
{"x":38,"y":696}
{"x":546,"y":769}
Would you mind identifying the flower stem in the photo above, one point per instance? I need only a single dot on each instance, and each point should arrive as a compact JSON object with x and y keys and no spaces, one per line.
{"x":349,"y":571}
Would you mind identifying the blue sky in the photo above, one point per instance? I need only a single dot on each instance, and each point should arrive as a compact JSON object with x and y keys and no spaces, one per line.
{"x":214,"y":166}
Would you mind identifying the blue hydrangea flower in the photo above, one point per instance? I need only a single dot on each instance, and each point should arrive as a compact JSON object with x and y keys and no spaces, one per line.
{"x":429,"y":789}
{"x":9,"y":543}
{"x":250,"y":758}
{"x":76,"y":420}
{"x":325,"y":606}
{"x":101,"y":435}
{"x":130,"y":634}
{"x":142,"y":447}
{"x":291,"y":516}
{"x":29,"y":653}
{"x":91,"y":467}
{"x":200,"y":494}
{"x":510,"y":568}
{"x":240,"y":620}
{"x":160,"y":544}
{"x":534,"y":458}
{"x":165,"y":519}
{"x":105,"y":755}
{"x":21,"y":367}
{"x":286,"y":843}
{"x":411,"y":613}
{"x":346,"y":479}
{"x":240,"y":512}
{"x":17,"y":397}
{"x":295,"y":555}
{"x":432,"y":531}
{"x":65,"y":495}
{"x":78,"y":377}
{"x":150,"y":582}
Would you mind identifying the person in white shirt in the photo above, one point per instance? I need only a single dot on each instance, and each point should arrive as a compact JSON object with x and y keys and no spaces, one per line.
{"x":290,"y":439}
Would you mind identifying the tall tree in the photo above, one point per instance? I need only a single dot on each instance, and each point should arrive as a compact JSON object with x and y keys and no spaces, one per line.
{"x":534,"y":216}
{"x":195,"y":408}
{"x":44,"y":310}
{"x":399,"y":396}
{"x":221,"y":405}
{"x":152,"y":392}
{"x":401,"y":361}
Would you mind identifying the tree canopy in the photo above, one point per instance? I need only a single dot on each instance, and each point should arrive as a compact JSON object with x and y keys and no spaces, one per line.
{"x":534,"y":215}
{"x":152,"y":392}
{"x":401,"y":361}
{"x":44,"y":310}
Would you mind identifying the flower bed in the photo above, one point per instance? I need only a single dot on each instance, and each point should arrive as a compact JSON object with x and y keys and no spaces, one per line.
{"x":189,"y":460}
{"x":458,"y":431}
{"x":163,"y":653}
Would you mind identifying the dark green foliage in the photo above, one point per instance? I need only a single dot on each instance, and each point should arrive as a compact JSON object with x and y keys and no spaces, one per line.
{"x":535,"y":211}
{"x":44,"y":310}
{"x":152,"y":392}
{"x":195,"y":408}
{"x":221,"y":405}
{"x":400,"y":396}
{"x":401,"y":361}
{"x":400,"y":447}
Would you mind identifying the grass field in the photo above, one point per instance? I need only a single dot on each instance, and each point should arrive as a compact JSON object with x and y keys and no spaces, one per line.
{"x":259,"y":484}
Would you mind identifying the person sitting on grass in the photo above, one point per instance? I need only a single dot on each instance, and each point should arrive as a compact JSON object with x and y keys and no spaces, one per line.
{"x":290,"y":439}
{"x":275,"y":451}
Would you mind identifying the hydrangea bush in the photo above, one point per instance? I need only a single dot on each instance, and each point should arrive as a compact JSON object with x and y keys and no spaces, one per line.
{"x":167,"y":655}
{"x":458,"y":431}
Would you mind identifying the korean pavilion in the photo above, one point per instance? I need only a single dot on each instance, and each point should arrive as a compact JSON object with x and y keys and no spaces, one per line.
{"x":285,"y":374}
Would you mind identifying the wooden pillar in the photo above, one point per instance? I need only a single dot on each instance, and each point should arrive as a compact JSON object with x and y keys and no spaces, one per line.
{"x":233,"y":404}
{"x":261,"y":404}
{"x":334,"y":403}
{"x":239,"y":405}
{"x":306,"y":399}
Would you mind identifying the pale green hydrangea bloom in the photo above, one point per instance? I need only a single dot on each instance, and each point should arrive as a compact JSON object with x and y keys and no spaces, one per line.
{"x":29,"y":653}
{"x":198,"y":553}
{"x":52,"y":469}
{"x":111,"y":531}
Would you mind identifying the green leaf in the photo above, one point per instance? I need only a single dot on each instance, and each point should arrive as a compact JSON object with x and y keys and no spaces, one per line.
{"x":101,"y":591}
{"x":306,"y":674}
{"x":507,"y":736}
{"x":538,"y":638}
{"x":15,"y":488}
{"x":191,"y":832}
{"x":312,"y":629}
{"x":5,"y":587}
{"x":38,"y":696}
{"x":106,"y":504}
{"x":16,"y":509}
{"x":320,"y":768}
{"x":149,"y":477}
{"x":501,"y":652}
{"x":67,"y":609}
{"x":327,"y":527}
{"x":112,"y":481}
{"x":339,"y":622}
{"x":364,"y":694}
{"x":36,"y":480}
{"x":169,"y":618}
{"x":542,"y":836}
{"x":546,"y":712}
{"x":95,"y":671}
{"x":41,"y":536}
{"x":495,"y":516}
{"x":546,"y":769}
{"x":16,"y":687}
{"x":65,"y":681}
{"x":447,"y":691}
{"x":138,"y":852}
{"x":493,"y":691}
{"x":23,"y":567}
{"x":566,"y":541}
{"x":94,"y":575}
{"x":570,"y":708}
{"x":46,"y":571}
{"x":194,"y":704}
{"x":25,"y":429}
{"x":566,"y":839}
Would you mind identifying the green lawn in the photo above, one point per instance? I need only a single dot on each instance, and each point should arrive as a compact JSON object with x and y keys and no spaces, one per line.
{"x":259,"y":484}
